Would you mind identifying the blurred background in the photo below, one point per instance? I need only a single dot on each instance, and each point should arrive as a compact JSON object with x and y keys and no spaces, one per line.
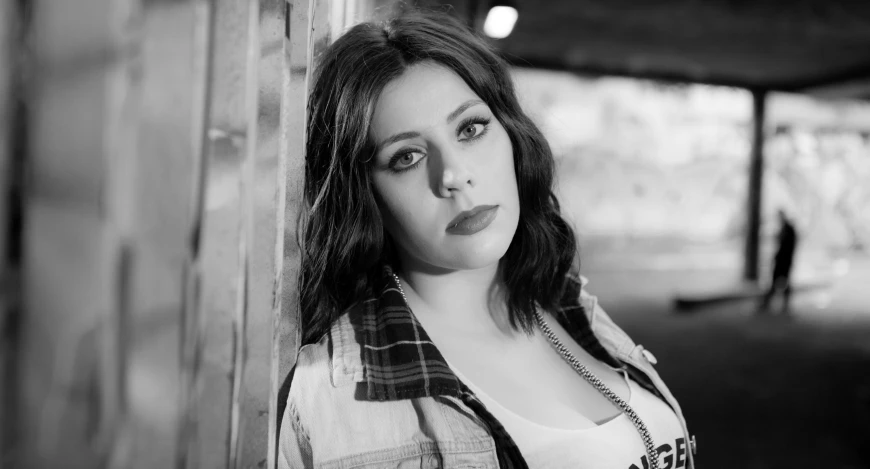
{"x":150,"y":170}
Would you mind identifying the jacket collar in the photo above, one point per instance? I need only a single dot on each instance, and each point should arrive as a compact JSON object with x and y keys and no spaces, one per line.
{"x":380,"y":345}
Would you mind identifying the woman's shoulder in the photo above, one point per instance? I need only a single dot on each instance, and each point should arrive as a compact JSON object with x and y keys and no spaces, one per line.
{"x":313,"y":356}
{"x":310,"y":372}
{"x":333,"y":361}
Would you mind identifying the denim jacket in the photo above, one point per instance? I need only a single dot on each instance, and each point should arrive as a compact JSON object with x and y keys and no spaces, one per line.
{"x":374,"y":392}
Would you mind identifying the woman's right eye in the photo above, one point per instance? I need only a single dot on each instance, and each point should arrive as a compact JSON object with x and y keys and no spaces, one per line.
{"x":405,"y":160}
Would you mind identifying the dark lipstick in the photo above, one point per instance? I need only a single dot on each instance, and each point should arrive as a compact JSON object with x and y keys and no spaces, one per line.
{"x":472,"y":221}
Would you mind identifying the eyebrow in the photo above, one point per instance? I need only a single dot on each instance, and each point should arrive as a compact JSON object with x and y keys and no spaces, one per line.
{"x":450,"y":118}
{"x":462,"y":107}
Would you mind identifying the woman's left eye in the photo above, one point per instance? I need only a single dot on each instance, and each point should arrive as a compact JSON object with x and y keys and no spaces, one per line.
{"x":472,"y":129}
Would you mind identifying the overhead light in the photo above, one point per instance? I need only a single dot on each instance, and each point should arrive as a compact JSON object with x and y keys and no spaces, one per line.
{"x":500,"y":20}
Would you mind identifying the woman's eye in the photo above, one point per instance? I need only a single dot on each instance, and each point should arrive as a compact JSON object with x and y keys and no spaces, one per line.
{"x":471,"y":131}
{"x":406,"y":160}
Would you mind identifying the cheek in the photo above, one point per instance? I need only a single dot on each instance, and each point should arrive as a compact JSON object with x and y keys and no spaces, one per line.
{"x":506,"y":160}
{"x":396,"y":206}
{"x":385,"y":201}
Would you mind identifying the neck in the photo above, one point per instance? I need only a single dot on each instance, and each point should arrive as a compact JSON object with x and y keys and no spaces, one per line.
{"x":472,"y":301}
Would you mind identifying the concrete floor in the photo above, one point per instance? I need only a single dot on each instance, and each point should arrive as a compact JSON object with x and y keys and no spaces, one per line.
{"x":767,"y":391}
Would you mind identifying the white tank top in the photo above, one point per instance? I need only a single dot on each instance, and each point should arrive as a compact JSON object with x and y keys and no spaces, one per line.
{"x":614,"y":444}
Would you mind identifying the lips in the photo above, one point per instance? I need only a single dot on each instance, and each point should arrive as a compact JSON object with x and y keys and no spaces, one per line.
{"x":472,"y":221}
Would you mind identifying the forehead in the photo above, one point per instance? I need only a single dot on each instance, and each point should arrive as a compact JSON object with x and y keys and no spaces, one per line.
{"x":421,"y":97}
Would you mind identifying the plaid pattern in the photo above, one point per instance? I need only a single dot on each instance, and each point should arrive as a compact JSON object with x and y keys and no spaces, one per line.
{"x":401,"y":362}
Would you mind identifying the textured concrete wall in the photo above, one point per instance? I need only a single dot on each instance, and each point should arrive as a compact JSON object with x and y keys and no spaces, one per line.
{"x":81,"y":99}
{"x":243,"y":218}
{"x":9,"y":309}
{"x":114,"y":98}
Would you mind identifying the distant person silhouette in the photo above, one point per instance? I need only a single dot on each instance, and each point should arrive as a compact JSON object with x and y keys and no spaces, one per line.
{"x":780,"y":280}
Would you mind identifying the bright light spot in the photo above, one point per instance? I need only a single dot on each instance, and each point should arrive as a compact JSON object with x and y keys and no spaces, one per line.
{"x":841,"y":267}
{"x":500,"y":21}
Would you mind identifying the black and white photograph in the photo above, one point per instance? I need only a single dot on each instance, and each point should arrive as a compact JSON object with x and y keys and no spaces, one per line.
{"x":434,"y":234}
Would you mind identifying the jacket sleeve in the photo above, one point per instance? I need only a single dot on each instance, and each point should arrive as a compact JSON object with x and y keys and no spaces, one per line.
{"x":294,"y":448}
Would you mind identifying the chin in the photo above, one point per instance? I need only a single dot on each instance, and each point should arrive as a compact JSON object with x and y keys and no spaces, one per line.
{"x":479,"y":253}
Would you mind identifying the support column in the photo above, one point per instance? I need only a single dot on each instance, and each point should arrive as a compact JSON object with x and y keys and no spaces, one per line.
{"x":756,"y":175}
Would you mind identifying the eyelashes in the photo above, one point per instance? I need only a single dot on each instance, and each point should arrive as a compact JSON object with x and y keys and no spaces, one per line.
{"x":473,"y":120}
{"x":401,"y":154}
{"x":464,"y":125}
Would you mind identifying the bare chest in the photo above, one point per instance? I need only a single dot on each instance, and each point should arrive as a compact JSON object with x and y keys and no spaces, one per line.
{"x":531,"y":379}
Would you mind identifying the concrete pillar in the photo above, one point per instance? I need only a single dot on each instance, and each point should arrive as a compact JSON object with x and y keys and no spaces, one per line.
{"x":753,"y":200}
{"x":242,"y":235}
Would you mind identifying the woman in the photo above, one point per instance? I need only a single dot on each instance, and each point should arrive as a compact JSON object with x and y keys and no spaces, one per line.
{"x":443,"y":323}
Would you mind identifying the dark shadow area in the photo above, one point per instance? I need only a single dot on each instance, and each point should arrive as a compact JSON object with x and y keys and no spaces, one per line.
{"x":769,"y":391}
{"x":744,"y":292}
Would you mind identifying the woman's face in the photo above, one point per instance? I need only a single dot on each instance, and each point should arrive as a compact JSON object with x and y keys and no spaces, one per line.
{"x":444,"y":172}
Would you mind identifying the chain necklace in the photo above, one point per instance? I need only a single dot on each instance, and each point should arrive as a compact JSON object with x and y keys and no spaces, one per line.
{"x":651,"y":453}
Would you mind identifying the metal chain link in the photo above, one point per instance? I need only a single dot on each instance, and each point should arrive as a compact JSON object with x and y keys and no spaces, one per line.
{"x":651,"y":453}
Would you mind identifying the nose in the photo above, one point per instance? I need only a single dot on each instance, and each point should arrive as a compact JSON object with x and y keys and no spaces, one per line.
{"x":455,"y":174}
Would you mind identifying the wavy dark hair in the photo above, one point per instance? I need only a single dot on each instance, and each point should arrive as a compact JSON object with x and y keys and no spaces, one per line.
{"x":344,"y":242}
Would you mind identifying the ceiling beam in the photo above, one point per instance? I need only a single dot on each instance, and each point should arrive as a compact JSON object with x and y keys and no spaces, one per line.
{"x":654,"y":75}
{"x":852,"y":83}
{"x":858,"y":72}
